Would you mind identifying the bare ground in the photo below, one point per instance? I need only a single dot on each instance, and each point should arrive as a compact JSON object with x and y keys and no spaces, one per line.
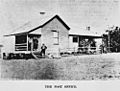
{"x":87,"y":67}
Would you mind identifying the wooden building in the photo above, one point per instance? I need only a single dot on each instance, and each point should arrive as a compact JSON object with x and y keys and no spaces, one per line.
{"x":54,"y":33}
{"x":83,"y":39}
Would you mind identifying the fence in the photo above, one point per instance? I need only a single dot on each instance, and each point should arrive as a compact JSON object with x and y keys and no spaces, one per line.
{"x":80,"y":50}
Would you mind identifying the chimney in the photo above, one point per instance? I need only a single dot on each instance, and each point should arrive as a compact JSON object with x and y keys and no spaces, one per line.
{"x":88,"y":28}
{"x":42,"y":12}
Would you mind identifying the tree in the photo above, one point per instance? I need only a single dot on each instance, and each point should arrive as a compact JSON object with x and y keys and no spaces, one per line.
{"x":114,"y":40}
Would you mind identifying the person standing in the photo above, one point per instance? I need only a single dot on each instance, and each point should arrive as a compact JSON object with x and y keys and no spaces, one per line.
{"x":35,"y":43}
{"x":30,"y":44}
{"x":43,"y":49}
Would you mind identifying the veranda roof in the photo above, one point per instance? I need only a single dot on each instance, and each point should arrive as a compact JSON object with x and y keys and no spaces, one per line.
{"x":77,"y":31}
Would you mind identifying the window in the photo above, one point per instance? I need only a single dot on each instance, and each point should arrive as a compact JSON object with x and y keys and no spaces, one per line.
{"x":56,"y":37}
{"x":21,"y":43}
{"x":75,"y":39}
{"x":21,"y":39}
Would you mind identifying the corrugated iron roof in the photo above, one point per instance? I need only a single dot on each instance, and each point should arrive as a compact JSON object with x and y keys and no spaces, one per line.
{"x":35,"y":24}
{"x":32,"y":27}
{"x":76,"y":30}
{"x":32,"y":24}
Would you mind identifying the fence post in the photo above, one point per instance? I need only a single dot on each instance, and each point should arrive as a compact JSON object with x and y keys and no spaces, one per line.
{"x":74,"y":50}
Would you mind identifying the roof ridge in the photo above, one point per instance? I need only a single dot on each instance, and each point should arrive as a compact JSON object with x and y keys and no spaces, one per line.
{"x":46,"y":19}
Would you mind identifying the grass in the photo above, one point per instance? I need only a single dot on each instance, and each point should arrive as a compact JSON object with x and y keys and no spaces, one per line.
{"x":28,"y":69}
{"x":96,"y":67}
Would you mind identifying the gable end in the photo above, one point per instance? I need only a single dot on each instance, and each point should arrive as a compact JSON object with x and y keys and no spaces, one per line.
{"x":56,"y":16}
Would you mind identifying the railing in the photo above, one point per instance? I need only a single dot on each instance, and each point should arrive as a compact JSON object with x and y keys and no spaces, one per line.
{"x":21,"y":44}
{"x":21,"y":47}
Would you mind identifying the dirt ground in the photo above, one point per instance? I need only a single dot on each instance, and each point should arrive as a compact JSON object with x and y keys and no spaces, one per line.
{"x":85,"y":67}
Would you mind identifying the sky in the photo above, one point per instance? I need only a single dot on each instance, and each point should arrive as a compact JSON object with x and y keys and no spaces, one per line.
{"x":95,"y":13}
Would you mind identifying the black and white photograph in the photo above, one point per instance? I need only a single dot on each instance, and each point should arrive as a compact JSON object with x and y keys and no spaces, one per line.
{"x":60,"y":40}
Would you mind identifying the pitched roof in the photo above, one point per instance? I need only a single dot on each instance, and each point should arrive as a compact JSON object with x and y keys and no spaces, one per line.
{"x":76,"y":30}
{"x":30,"y":27}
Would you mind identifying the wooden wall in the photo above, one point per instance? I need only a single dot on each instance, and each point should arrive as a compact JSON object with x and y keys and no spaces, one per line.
{"x":47,"y":35}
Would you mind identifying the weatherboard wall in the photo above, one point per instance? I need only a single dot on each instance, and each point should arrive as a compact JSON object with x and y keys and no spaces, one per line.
{"x":47,"y":35}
